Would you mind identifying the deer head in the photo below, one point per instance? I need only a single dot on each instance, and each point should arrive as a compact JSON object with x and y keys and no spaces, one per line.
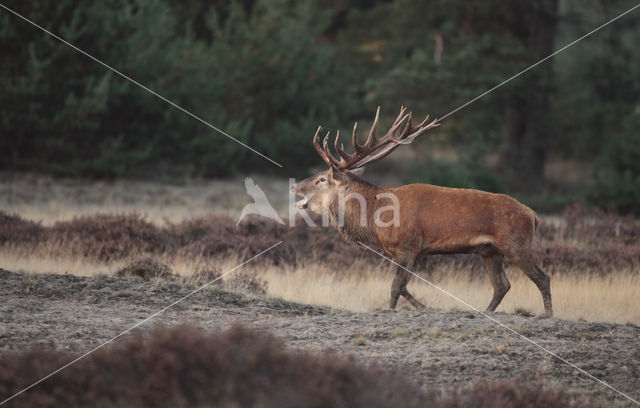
{"x":322,"y":189}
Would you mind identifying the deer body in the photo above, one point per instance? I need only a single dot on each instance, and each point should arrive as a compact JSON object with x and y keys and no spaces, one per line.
{"x":440,"y":220}
{"x":416,"y":220}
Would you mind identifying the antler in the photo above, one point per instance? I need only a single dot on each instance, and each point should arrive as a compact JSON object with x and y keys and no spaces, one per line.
{"x":364,"y":154}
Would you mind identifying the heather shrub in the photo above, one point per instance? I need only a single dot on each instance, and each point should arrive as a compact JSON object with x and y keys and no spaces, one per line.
{"x":214,"y":244}
{"x":589,"y":240}
{"x":146,"y":268}
{"x":561,"y":258}
{"x":237,"y":281}
{"x":183,"y":366}
{"x":220,"y":245}
{"x":245,"y":282}
{"x":194,"y":229}
{"x":204,"y":275}
{"x":512,"y":394}
{"x":594,"y":225}
{"x":106,"y":237}
{"x":548,"y":231}
{"x":15,"y":229}
{"x":218,"y":235}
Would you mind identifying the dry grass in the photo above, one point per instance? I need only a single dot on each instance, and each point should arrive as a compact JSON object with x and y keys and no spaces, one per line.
{"x":16,"y":259}
{"x":364,"y":288}
{"x":592,"y":298}
{"x":593,"y":257}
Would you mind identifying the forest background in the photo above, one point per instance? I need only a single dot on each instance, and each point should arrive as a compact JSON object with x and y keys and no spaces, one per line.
{"x":269,"y":72}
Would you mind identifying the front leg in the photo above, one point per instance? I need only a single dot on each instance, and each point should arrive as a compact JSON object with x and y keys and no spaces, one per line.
{"x":399,"y":285}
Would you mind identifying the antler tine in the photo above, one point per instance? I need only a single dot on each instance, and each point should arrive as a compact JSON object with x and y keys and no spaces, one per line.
{"x":409,"y":133}
{"x":424,"y":122}
{"x":325,"y":153}
{"x":397,"y":124}
{"x":373,"y":149}
{"x":316,"y":145}
{"x":372,"y":132}
{"x":354,"y":139}
{"x":344,"y":156}
{"x":325,"y":147}
{"x":419,"y":131}
{"x":400,"y":115}
{"x":408,"y":128}
{"x":394,"y":138}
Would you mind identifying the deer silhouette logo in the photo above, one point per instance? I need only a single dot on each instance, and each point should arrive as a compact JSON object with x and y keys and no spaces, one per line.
{"x":260,"y":206}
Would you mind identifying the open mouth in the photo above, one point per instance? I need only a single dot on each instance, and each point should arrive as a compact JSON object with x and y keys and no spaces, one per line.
{"x":302,"y":204}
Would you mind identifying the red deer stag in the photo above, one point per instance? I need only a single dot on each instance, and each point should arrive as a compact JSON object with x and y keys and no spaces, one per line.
{"x":429,"y":219}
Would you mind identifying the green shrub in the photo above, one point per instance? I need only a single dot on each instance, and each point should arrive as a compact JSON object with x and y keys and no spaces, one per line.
{"x":618,"y":179}
{"x":469,"y":171}
{"x":260,"y":73}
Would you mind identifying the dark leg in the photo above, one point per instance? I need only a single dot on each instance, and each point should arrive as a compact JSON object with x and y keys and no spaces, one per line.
{"x":399,"y":285}
{"x":498,"y":278}
{"x":523,"y":260}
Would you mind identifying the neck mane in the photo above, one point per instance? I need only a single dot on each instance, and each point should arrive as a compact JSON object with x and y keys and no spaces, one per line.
{"x":350,"y":224}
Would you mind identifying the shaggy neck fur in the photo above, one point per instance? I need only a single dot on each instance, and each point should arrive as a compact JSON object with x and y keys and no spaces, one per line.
{"x":350,"y":228}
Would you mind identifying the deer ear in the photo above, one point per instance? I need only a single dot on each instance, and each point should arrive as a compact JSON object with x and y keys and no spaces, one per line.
{"x":358,"y":172}
{"x":338,"y":175}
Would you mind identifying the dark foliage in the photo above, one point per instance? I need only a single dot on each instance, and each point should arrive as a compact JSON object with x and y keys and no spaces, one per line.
{"x":259,"y":73}
{"x":618,"y":178}
{"x":269,"y":72}
{"x":185,"y":366}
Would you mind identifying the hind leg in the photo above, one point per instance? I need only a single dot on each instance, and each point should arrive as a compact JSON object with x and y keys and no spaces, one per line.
{"x":523,"y":260}
{"x":498,"y":278}
{"x":399,"y":285}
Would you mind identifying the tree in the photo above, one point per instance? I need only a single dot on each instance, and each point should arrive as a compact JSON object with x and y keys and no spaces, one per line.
{"x":436,"y":56}
{"x":526,"y":105}
{"x":261,"y":73}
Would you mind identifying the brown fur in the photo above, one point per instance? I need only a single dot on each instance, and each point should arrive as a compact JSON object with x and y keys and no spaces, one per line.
{"x":433,"y":220}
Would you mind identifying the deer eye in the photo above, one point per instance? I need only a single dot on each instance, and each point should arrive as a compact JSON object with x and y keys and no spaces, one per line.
{"x":323,"y":179}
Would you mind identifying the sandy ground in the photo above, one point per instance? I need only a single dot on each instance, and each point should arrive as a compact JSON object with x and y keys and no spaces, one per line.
{"x":436,"y":348}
